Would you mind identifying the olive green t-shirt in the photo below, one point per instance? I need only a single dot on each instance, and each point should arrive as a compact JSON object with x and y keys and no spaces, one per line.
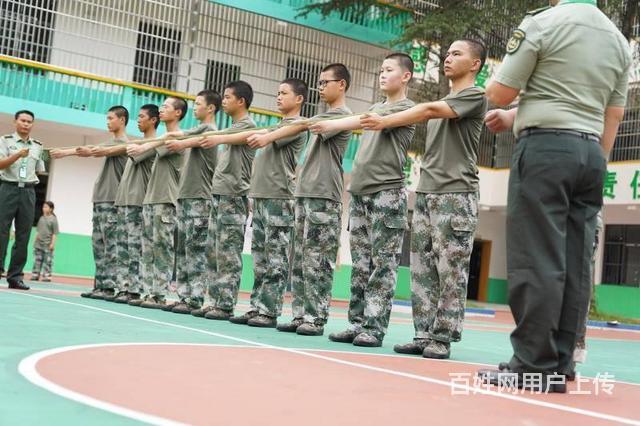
{"x":321,"y":173}
{"x":196,"y":178}
{"x":46,"y":228}
{"x":106,"y":186}
{"x":450,"y":158}
{"x":381,"y":156}
{"x":165,"y":175}
{"x":274,"y":172}
{"x":233,"y":172}
{"x":571,"y":63}
{"x":32,"y":164}
{"x":133,"y":185}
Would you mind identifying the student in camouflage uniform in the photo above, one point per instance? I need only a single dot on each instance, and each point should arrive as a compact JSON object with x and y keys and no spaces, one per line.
{"x":159,"y":211}
{"x":446,"y":210}
{"x":194,"y":205}
{"x":131,"y":192}
{"x":105,"y":213}
{"x":580,"y":353}
{"x":272,"y":186}
{"x":20,"y":161}
{"x":318,"y":208}
{"x":378,"y":207}
{"x":230,"y":206}
{"x":44,"y":243}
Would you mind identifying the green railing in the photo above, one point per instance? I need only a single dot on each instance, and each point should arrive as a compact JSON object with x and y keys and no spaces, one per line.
{"x":381,"y":24}
{"x":86,"y":97}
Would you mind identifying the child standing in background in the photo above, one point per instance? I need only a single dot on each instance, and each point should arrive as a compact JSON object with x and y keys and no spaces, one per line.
{"x":45,"y":241}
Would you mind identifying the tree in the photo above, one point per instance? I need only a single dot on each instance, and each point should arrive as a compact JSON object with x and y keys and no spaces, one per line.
{"x":437,"y":26}
{"x":439,"y":23}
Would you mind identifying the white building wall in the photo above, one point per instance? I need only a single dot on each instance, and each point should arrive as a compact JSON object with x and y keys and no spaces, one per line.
{"x":492,"y":227}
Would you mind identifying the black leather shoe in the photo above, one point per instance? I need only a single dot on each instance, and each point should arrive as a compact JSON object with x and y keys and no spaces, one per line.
{"x":18,"y":285}
{"x":539,"y":383}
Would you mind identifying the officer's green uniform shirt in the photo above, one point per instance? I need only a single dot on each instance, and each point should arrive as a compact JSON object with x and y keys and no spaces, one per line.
{"x":165,"y":175}
{"x":275,"y":168}
{"x":540,"y":58}
{"x":196,"y":179}
{"x":321,"y":173}
{"x":233,"y":172}
{"x":9,"y":145}
{"x":133,"y":185}
{"x":381,"y":157}
{"x":449,"y":163}
{"x":106,"y":186}
{"x":46,"y":228}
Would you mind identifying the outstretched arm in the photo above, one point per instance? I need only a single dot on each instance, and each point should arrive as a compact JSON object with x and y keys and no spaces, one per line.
{"x":261,"y":140}
{"x":415,"y":114}
{"x":338,"y":125}
{"x":180,"y":145}
{"x":240,"y":138}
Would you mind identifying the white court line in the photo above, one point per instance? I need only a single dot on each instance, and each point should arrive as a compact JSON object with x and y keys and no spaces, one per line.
{"x":456,"y":386}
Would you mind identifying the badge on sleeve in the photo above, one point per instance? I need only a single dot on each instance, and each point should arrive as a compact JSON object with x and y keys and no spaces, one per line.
{"x":515,"y":41}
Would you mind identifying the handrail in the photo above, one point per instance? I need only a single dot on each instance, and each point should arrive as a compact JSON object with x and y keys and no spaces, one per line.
{"x":89,"y":76}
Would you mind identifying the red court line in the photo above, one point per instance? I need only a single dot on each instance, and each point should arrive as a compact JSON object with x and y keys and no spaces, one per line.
{"x":200,"y":384}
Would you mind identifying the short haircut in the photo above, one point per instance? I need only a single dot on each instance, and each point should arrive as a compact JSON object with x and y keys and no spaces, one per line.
{"x":478,"y":49}
{"x":298,"y":86}
{"x":211,"y":97}
{"x":241,"y":89}
{"x":179,"y":104}
{"x":120,"y":112}
{"x":153,"y":112}
{"x":340,"y":72}
{"x":403,"y":60}
{"x":24,"y":111}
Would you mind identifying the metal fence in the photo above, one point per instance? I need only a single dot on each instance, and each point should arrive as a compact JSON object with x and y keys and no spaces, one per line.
{"x":183,"y":44}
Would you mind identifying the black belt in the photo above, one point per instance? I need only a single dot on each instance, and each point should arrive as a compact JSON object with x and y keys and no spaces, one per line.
{"x":19,"y":184}
{"x":540,"y":131}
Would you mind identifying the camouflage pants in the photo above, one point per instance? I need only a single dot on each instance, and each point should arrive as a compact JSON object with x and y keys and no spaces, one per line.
{"x":441,"y":245}
{"x":105,"y":221}
{"x":42,"y":260}
{"x":158,"y":244}
{"x":191,"y":253}
{"x":581,"y":343}
{"x":315,"y":249}
{"x":226,"y":228}
{"x":377,"y":223}
{"x":272,"y":230}
{"x":129,"y":247}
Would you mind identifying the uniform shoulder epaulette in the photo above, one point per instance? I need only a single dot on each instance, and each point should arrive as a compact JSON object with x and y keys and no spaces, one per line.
{"x":9,"y":136}
{"x":36,"y":141}
{"x":539,"y":10}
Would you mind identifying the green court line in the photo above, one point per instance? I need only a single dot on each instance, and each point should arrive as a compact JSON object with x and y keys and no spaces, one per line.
{"x":31,"y":325}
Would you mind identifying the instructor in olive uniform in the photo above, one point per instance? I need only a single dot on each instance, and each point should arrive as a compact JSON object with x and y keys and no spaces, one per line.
{"x":20,"y":160}
{"x":572,"y":64}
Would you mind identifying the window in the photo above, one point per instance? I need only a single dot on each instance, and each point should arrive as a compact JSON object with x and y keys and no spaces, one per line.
{"x":308,"y":72}
{"x":219,"y":74}
{"x":157,"y":55}
{"x":26,"y":27}
{"x":621,"y":263}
